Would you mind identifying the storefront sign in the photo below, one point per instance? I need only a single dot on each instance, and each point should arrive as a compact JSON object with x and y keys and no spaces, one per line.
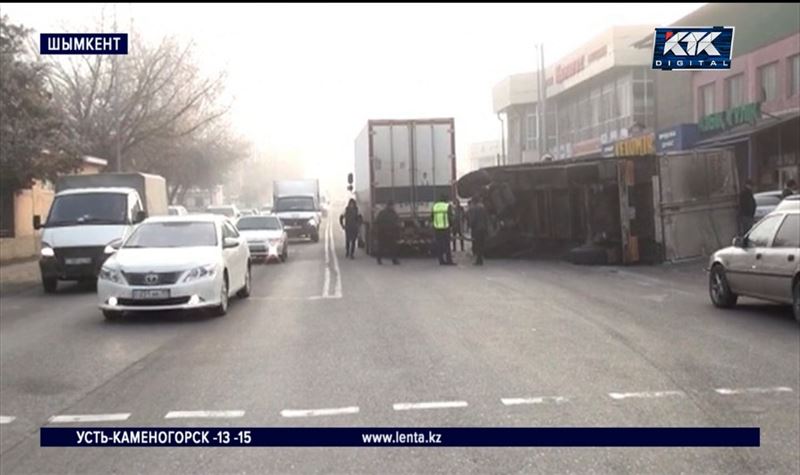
{"x":636,"y":146}
{"x":720,"y":121}
{"x":598,"y":53}
{"x":566,"y":71}
{"x":587,"y":147}
{"x":680,"y":137}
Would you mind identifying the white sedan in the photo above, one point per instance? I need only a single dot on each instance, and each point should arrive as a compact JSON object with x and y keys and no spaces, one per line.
{"x":175,"y":263}
{"x":265,"y":236}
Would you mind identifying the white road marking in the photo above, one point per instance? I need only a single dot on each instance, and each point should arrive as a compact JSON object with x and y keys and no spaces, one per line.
{"x":729,"y":391}
{"x":646,"y":394}
{"x":204,"y":414}
{"x":6,"y":419}
{"x":319,"y":412}
{"x":90,"y":418}
{"x":407,"y":406}
{"x":533,"y":400}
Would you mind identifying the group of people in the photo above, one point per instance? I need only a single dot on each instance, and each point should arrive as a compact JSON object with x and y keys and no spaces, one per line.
{"x":447,"y":221}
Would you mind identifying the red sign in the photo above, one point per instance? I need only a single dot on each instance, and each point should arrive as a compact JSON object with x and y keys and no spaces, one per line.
{"x":570,"y":69}
{"x":597,"y":54}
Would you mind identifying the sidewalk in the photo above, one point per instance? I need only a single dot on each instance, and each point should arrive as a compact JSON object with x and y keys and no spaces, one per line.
{"x":19,"y":275}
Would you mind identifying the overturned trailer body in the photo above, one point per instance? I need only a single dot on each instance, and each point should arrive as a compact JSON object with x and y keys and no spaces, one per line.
{"x":610,"y":210}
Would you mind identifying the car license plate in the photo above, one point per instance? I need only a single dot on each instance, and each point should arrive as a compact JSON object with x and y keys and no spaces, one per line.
{"x":76,"y":261}
{"x":151,"y":294}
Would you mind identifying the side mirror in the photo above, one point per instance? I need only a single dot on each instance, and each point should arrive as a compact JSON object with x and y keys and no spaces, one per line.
{"x":738,"y":241}
{"x":349,"y":178}
{"x":140,"y":216}
{"x":113,"y":246}
{"x":37,"y":222}
{"x":230,"y":242}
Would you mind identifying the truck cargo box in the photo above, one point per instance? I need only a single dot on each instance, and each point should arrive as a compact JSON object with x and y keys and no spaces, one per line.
{"x":152,"y":189}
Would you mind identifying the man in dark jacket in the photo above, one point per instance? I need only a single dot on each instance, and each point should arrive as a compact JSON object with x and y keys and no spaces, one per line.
{"x":458,"y":225}
{"x":790,"y":189}
{"x":747,"y":208}
{"x":350,"y":221}
{"x":479,"y":226}
{"x":387,"y":229}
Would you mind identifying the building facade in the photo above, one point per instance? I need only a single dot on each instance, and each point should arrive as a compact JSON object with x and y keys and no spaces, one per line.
{"x":483,"y":154}
{"x":596,"y":95}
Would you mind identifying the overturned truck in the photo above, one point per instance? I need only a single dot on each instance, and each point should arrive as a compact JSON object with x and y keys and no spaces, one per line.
{"x":610,"y":210}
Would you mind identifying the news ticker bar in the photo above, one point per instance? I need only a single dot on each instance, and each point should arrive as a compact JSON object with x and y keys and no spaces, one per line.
{"x":401,"y":437}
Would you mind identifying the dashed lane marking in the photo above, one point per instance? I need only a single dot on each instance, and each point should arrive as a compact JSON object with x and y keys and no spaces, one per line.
{"x":89,"y":418}
{"x":6,"y":419}
{"x":729,"y":391}
{"x":407,"y":406}
{"x":203,"y":414}
{"x":533,"y":400}
{"x":646,"y":394}
{"x":319,"y":412}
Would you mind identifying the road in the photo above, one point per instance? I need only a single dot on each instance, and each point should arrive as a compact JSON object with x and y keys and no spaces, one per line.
{"x":511,"y":344}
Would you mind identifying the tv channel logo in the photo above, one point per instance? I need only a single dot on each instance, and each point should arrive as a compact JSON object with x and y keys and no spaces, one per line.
{"x":83,"y":43}
{"x":693,"y":48}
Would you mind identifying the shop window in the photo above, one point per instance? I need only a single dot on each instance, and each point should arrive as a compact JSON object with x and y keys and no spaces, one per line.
{"x":735,"y":91}
{"x":531,"y":131}
{"x":6,"y":213}
{"x":793,"y":88}
{"x":768,"y":82}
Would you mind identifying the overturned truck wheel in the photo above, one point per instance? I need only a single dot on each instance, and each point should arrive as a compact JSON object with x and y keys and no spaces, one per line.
{"x":588,"y":256}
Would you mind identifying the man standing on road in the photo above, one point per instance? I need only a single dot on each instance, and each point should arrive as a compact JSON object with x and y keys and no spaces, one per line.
{"x":479,"y":225}
{"x":441,"y":216}
{"x":747,"y":208}
{"x":790,"y":189}
{"x":387,"y":225}
{"x":458,"y":225}
{"x":350,"y":221}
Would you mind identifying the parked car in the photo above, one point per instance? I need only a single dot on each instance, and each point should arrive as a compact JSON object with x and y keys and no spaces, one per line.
{"x":265,"y":236}
{"x":176,"y":263}
{"x":766,"y":201}
{"x":764,"y":264}
{"x":177,"y":211}
{"x":229,"y":211}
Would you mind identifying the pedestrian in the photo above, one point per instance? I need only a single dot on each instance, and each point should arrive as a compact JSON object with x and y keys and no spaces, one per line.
{"x":789,"y":189}
{"x":387,"y":230}
{"x":458,"y":225}
{"x":441,"y":217}
{"x":747,"y":208}
{"x":479,"y":226}
{"x":350,"y":221}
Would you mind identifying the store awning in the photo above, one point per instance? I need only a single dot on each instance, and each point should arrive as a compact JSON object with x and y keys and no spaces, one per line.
{"x":740,"y":134}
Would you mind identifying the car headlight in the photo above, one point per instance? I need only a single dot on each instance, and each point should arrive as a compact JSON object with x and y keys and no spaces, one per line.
{"x":111,"y":274}
{"x":201,"y":272}
{"x":274,"y":242}
{"x":47,"y":251}
{"x":312,"y":222}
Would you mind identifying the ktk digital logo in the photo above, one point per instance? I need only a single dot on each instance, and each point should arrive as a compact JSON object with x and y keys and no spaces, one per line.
{"x":695,"y":48}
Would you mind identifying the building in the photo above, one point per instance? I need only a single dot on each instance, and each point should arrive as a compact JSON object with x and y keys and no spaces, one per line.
{"x":601,"y":92}
{"x":484,"y":154}
{"x":18,"y":240}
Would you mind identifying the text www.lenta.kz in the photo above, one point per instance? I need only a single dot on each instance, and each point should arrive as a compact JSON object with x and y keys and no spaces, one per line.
{"x":402,"y":438}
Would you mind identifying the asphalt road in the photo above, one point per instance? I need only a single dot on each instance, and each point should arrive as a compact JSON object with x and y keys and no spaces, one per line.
{"x":582,"y":346}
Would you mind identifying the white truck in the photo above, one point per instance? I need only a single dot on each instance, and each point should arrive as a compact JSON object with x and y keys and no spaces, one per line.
{"x":89,"y":215}
{"x":296,"y":203}
{"x":411,"y":163}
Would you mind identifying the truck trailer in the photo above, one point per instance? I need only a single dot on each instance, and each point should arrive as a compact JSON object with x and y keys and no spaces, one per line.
{"x":411,"y":163}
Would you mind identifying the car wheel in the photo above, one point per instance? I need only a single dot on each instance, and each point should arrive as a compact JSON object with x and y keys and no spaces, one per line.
{"x":112,"y":315}
{"x":50,"y":285}
{"x":284,"y":254}
{"x":719,"y":290}
{"x":315,"y":236}
{"x":222,"y":309}
{"x":244,"y":292}
{"x":796,"y":299}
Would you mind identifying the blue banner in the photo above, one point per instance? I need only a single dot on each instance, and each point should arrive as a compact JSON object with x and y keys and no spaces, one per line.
{"x":694,"y":48}
{"x":680,"y":137}
{"x":83,"y":43}
{"x":402,"y":437}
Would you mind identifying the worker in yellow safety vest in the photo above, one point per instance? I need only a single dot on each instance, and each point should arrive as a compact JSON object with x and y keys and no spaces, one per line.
{"x":441,"y":217}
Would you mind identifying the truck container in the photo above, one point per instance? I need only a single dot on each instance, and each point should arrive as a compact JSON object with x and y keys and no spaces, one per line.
{"x":411,"y":163}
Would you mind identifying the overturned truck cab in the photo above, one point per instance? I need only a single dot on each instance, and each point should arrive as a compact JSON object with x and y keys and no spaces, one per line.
{"x":610,"y":210}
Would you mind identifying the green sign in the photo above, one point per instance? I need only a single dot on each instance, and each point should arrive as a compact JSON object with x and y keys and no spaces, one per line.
{"x":747,"y":113}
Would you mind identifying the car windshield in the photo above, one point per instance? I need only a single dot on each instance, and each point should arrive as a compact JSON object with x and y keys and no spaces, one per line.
{"x":89,"y":208}
{"x":222,"y":211}
{"x":259,"y":222}
{"x":300,"y":203}
{"x":173,"y":234}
